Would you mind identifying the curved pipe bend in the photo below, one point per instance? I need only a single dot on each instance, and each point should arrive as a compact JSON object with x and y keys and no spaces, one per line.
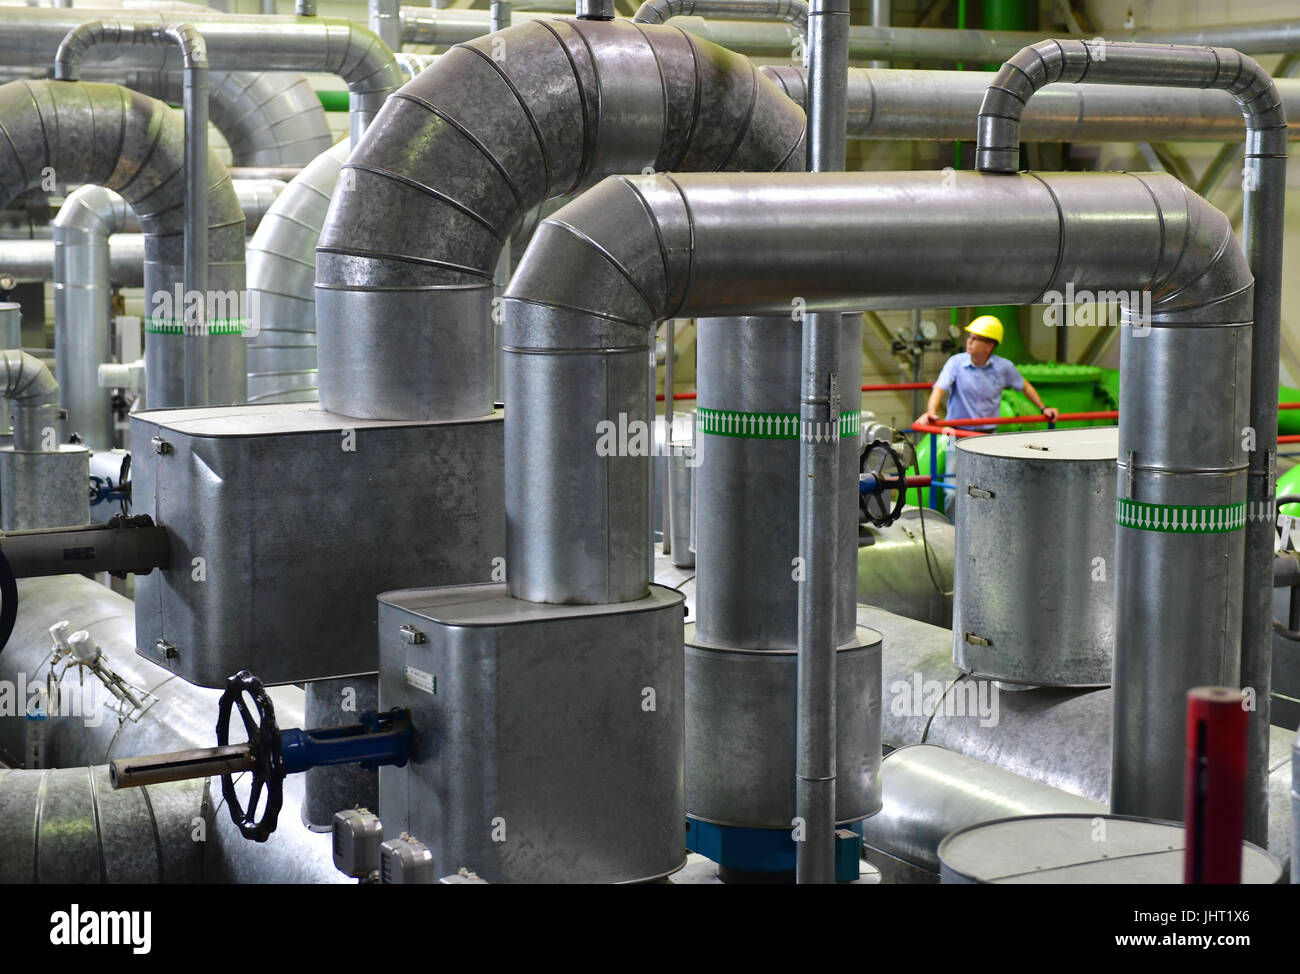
{"x":1141,"y":782}
{"x":128,"y":142}
{"x":635,"y":250}
{"x":998,"y":135}
{"x":184,"y":37}
{"x":793,"y":12}
{"x":459,"y":155}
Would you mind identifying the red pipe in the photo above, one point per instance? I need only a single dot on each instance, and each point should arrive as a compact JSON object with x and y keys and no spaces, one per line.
{"x":899,"y":386}
{"x":1215,"y":792}
{"x":1289,"y":438}
{"x":1013,"y":420}
{"x":943,"y":430}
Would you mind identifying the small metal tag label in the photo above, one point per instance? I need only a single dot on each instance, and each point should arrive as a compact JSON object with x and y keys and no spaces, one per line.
{"x":421,"y":680}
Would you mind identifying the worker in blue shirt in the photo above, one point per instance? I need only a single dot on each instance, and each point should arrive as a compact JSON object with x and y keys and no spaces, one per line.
{"x":974,"y":379}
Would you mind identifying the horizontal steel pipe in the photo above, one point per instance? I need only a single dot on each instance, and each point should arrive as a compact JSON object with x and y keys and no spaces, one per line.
{"x":34,"y":260}
{"x":930,"y":792}
{"x":603,"y":269}
{"x":97,"y":548}
{"x":940,"y":105}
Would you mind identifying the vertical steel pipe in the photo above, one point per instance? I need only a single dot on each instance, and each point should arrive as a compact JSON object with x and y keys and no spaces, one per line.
{"x":385,"y":24}
{"x":82,"y":284}
{"x":198,"y":336}
{"x":194,"y":58}
{"x":1155,"y":660}
{"x":819,"y":413}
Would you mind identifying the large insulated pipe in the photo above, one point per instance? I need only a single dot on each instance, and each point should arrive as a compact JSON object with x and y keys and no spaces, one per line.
{"x":197,"y":329}
{"x":1057,"y":736}
{"x":602,"y":270}
{"x":939,"y":105}
{"x":930,"y":792}
{"x":70,"y":826}
{"x":425,"y":25}
{"x":406,"y":257}
{"x":179,"y":715}
{"x":281,"y":282}
{"x":103,"y":134}
{"x":819,"y":456}
{"x":245,"y":43}
{"x":1173,"y":467}
{"x":269,"y":118}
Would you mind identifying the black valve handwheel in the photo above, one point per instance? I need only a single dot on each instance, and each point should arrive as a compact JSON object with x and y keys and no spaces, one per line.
{"x":882,"y":507}
{"x":264,"y":742}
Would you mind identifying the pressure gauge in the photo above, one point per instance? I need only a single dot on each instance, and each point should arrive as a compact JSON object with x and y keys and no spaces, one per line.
{"x":929,"y":330}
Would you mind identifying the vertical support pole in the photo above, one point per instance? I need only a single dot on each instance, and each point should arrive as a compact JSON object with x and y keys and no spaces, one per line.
{"x":819,"y":415}
{"x":198,"y":336}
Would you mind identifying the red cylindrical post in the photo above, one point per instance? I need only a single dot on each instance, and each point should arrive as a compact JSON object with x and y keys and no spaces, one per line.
{"x":1215,"y":795}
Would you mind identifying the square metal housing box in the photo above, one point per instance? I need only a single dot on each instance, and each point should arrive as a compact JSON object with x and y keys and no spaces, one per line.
{"x":287,"y":521}
{"x":549,"y":740}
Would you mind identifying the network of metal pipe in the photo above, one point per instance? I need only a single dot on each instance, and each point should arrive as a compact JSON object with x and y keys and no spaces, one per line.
{"x":374,"y":281}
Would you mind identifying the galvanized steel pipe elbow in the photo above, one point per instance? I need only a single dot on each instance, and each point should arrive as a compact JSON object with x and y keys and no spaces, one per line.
{"x":998,"y":133}
{"x":104,"y":134}
{"x":793,"y":12}
{"x":465,"y":149}
{"x":185,"y":37}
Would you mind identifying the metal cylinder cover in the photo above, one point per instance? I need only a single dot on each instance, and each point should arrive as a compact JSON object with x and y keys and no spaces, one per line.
{"x":740,"y":732}
{"x":1035,"y":599}
{"x":1080,"y":848}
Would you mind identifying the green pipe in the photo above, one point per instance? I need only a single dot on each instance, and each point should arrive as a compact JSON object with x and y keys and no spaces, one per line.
{"x":333,"y":101}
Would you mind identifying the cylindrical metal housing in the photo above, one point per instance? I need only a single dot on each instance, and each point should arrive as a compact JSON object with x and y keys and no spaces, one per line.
{"x":44,"y":489}
{"x":931,"y":791}
{"x":747,"y":437}
{"x":1181,"y":511}
{"x":740,"y":732}
{"x":1080,"y":848}
{"x":1035,"y":587}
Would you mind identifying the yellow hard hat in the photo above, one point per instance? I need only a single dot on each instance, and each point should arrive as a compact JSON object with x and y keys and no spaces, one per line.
{"x":986,"y":326}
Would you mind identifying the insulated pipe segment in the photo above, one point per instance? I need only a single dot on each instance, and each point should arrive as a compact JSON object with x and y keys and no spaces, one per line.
{"x":545,"y":108}
{"x":125,"y":141}
{"x":1173,"y":463}
{"x":600,"y":271}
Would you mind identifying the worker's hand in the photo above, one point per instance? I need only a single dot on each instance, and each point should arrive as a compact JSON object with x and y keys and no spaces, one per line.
{"x":928,"y":419}
{"x":1051,"y":413}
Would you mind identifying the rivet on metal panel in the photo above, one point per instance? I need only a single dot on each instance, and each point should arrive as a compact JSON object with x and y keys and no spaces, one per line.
{"x":974,"y":491}
{"x":411,"y":635}
{"x":977,"y":640}
{"x":160,"y":446}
